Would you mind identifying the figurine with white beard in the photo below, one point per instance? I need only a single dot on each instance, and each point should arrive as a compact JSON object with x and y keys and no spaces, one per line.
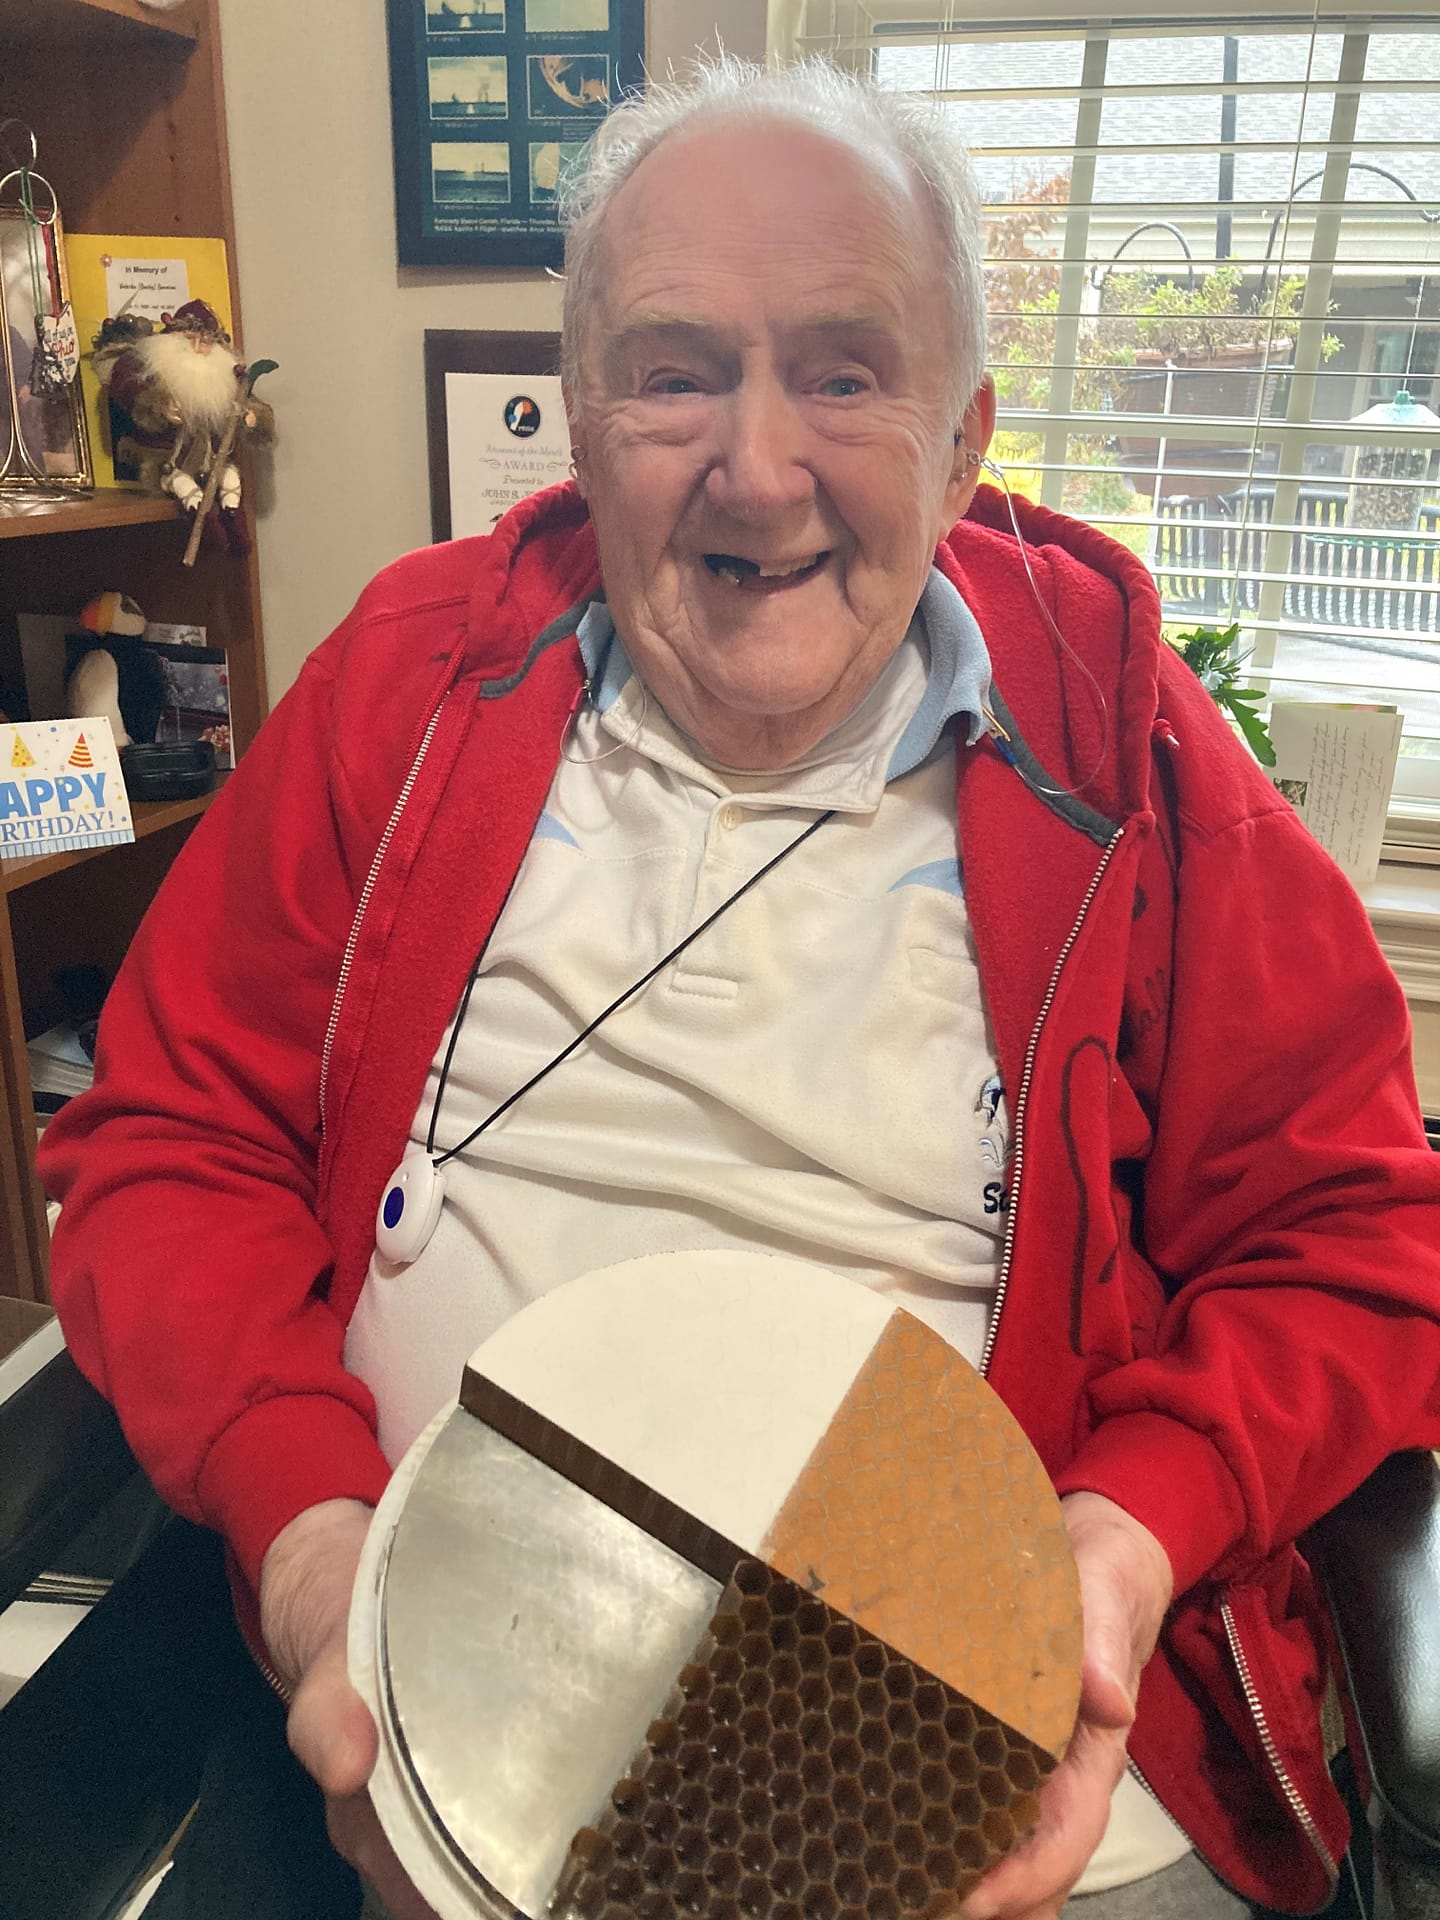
{"x":190,"y":400}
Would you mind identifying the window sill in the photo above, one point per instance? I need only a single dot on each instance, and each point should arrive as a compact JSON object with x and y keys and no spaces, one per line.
{"x":1412,"y":835}
{"x":1403,"y":902}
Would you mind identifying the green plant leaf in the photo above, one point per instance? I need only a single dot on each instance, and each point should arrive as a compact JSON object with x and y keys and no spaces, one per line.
{"x":1256,"y":734}
{"x":1210,"y":653}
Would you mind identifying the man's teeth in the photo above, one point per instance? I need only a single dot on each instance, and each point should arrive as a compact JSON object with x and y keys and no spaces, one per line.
{"x":732,"y":567}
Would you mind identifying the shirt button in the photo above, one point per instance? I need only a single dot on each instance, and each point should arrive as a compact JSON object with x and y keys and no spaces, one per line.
{"x":730,"y":816}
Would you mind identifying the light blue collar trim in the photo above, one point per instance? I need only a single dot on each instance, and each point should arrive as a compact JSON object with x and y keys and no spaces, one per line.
{"x":959,"y":677}
{"x":607,"y":665}
{"x":958,"y":680}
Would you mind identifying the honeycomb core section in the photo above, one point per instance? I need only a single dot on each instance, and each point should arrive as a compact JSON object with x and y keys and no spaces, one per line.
{"x":803,"y":1770}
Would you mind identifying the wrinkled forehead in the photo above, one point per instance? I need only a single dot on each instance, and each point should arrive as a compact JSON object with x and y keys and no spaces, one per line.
{"x":746,"y":219}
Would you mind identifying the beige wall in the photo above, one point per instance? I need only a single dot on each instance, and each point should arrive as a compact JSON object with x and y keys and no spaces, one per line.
{"x":307,"y":95}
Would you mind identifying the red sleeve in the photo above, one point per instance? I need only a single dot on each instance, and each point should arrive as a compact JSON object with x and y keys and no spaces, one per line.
{"x":189,"y":1268}
{"x":1290,"y":1204}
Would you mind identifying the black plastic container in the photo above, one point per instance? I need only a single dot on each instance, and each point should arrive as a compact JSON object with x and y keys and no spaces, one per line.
{"x":168,"y":770}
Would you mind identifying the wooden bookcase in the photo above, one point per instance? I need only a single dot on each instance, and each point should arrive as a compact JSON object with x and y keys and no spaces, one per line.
{"x":128,"y":108}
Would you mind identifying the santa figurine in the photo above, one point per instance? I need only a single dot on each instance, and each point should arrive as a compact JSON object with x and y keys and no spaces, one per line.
{"x":191,"y":402}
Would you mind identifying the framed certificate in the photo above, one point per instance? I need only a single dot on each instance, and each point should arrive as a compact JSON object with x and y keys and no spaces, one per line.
{"x":496,"y":425}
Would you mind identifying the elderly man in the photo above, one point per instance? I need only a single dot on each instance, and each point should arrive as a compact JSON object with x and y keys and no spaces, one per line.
{"x":1078,"y":1097}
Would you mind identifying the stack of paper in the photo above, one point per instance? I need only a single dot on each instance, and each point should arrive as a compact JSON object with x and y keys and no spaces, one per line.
{"x":59,"y":1064}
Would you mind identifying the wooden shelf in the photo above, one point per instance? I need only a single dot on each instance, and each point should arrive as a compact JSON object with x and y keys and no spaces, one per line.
{"x":23,"y":519}
{"x":97,"y":19}
{"x":149,"y":816}
{"x":127,"y":103}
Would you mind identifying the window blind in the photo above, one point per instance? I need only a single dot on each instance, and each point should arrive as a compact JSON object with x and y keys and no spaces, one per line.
{"x":1213,"y":272}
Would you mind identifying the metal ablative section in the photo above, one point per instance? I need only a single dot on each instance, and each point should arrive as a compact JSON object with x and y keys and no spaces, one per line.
{"x":531,"y":1635}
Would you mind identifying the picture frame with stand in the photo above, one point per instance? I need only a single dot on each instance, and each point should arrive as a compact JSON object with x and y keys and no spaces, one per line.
{"x":44,"y":442}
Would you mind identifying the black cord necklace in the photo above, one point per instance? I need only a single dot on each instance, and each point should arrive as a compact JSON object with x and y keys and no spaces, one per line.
{"x":415,"y":1193}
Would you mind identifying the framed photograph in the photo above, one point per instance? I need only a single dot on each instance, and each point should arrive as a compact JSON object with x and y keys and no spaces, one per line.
{"x":568,"y":86}
{"x":491,"y":105}
{"x":444,"y":19}
{"x":466,"y":88}
{"x":43,"y":438}
{"x":495,"y":423}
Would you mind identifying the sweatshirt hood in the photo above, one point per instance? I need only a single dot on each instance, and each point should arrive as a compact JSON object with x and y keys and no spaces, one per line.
{"x":540,"y":561}
{"x":1101,"y":628}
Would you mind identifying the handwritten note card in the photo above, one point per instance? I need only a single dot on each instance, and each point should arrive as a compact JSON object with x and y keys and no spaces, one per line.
{"x":1336,"y":765}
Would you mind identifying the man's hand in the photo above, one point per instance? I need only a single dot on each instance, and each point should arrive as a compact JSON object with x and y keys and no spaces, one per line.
{"x":1125,"y":1587}
{"x":305,"y":1585}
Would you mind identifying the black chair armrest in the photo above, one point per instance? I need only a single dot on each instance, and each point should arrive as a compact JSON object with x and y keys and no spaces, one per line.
{"x":1378,"y":1556}
{"x":101,"y":1751}
{"x":62,"y":1456}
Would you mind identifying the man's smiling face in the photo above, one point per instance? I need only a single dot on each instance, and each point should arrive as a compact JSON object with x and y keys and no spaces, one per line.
{"x":764,"y":428}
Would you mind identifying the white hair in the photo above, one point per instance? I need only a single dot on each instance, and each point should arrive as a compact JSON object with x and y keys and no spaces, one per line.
{"x":813,"y":94}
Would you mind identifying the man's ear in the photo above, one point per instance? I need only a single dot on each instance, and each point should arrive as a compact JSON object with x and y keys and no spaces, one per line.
{"x":972,"y":442}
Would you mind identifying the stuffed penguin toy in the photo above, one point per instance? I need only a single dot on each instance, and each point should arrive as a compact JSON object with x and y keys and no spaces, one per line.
{"x":110,"y":673}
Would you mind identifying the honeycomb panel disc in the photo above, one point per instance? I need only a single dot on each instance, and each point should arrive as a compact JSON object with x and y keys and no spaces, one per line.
{"x":850,"y":1717}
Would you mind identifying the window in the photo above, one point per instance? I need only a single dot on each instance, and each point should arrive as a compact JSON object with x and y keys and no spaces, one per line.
{"x":1214,"y":290}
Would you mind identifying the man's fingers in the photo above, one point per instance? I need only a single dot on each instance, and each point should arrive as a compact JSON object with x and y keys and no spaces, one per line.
{"x":1125,"y":1585}
{"x":1106,"y":1697}
{"x":356,"y":1834}
{"x":1037,"y":1877}
{"x":330,"y":1730}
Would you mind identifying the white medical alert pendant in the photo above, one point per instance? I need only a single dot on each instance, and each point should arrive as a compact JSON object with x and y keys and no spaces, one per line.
{"x":409,"y":1208}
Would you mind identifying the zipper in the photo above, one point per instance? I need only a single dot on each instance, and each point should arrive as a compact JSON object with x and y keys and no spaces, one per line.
{"x":1138,"y":1777}
{"x":347,"y":960}
{"x":1022,"y":1100}
{"x":255,"y":1647}
{"x":269,"y":1674}
{"x":1272,"y":1753}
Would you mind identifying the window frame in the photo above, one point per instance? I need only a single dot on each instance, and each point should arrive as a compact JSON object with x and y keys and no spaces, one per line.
{"x":852,"y":33}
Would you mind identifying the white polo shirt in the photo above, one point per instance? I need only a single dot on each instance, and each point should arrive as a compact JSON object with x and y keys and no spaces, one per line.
{"x":815,"y":1077}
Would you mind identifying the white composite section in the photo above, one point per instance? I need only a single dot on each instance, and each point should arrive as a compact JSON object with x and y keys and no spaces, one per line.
{"x":710,"y":1376}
